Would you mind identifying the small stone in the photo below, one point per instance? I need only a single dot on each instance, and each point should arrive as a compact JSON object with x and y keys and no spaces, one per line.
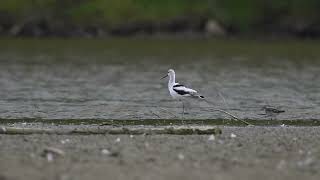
{"x":65,"y":141}
{"x":180,"y":156}
{"x":214,"y":28}
{"x":51,"y":152}
{"x":118,"y":139}
{"x":233,"y":135}
{"x":211,"y":137}
{"x":105,"y":151}
{"x":131,"y":136}
{"x":3,"y":129}
{"x":49,"y":157}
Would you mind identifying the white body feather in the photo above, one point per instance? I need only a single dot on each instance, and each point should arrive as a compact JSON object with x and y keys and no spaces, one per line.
{"x":177,"y":90}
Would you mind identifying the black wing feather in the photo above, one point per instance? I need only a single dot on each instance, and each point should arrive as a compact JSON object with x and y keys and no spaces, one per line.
{"x":178,"y":85}
{"x":181,"y":92}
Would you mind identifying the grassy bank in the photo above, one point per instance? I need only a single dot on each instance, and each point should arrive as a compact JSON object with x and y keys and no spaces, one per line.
{"x":236,"y":16}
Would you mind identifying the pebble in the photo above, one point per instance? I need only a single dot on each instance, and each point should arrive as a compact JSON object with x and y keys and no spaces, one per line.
{"x":105,"y":151}
{"x":180,"y":156}
{"x":233,"y":135}
{"x":51,"y":152}
{"x":211,"y":138}
{"x":65,"y":141}
{"x":118,"y":139}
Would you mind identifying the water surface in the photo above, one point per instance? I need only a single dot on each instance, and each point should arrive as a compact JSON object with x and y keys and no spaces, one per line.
{"x":120,"y":78}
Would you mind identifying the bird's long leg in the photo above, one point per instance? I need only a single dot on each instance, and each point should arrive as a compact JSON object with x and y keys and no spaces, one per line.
{"x":182,"y":109}
{"x":235,"y":117}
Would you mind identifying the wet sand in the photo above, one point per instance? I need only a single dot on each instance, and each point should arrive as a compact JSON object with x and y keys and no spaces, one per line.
{"x":250,"y":153}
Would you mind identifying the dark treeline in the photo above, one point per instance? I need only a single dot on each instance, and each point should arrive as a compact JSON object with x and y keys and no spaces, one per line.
{"x":299,"y":18}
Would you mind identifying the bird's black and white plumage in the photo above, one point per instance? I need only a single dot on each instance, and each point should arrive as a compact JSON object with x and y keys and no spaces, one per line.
{"x":184,"y":91}
{"x":178,"y":91}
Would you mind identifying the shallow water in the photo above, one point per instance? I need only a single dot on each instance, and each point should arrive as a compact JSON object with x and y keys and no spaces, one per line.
{"x":120,"y":78}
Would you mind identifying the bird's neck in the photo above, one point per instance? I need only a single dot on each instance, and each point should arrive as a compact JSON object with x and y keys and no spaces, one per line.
{"x":172,"y":80}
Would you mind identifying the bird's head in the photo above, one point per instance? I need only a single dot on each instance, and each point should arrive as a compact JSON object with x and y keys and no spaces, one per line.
{"x":170,"y":73}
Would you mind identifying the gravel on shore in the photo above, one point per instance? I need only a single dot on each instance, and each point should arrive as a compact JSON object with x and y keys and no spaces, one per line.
{"x":238,"y":153}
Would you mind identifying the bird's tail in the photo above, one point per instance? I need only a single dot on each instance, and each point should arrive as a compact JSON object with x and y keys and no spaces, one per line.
{"x":198,"y":96}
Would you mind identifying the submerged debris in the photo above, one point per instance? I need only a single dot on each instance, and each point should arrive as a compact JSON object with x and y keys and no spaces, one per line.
{"x":14,"y":130}
{"x":112,"y":130}
{"x":186,"y":131}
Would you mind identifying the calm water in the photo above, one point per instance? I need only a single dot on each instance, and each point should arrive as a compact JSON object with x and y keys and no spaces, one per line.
{"x":120,"y":78}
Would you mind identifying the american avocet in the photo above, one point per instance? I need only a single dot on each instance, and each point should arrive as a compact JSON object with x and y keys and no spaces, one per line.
{"x":179,"y":91}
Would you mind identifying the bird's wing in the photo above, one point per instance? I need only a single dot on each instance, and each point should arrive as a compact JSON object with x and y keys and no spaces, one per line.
{"x":182,"y":90}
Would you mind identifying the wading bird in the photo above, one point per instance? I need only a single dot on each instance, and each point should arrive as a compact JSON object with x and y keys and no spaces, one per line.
{"x":179,"y":91}
{"x":271,"y":112}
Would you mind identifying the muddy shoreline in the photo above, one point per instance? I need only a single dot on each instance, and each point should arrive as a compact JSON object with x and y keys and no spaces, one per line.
{"x":238,"y":153}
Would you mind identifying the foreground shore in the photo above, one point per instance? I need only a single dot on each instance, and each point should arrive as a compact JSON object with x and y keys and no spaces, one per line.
{"x":238,"y":153}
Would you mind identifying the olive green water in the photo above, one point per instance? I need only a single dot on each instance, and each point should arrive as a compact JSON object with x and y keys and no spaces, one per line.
{"x":119,"y":79}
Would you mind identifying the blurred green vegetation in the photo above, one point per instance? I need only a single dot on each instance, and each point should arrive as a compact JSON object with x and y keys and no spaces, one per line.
{"x":239,"y":15}
{"x":103,"y":11}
